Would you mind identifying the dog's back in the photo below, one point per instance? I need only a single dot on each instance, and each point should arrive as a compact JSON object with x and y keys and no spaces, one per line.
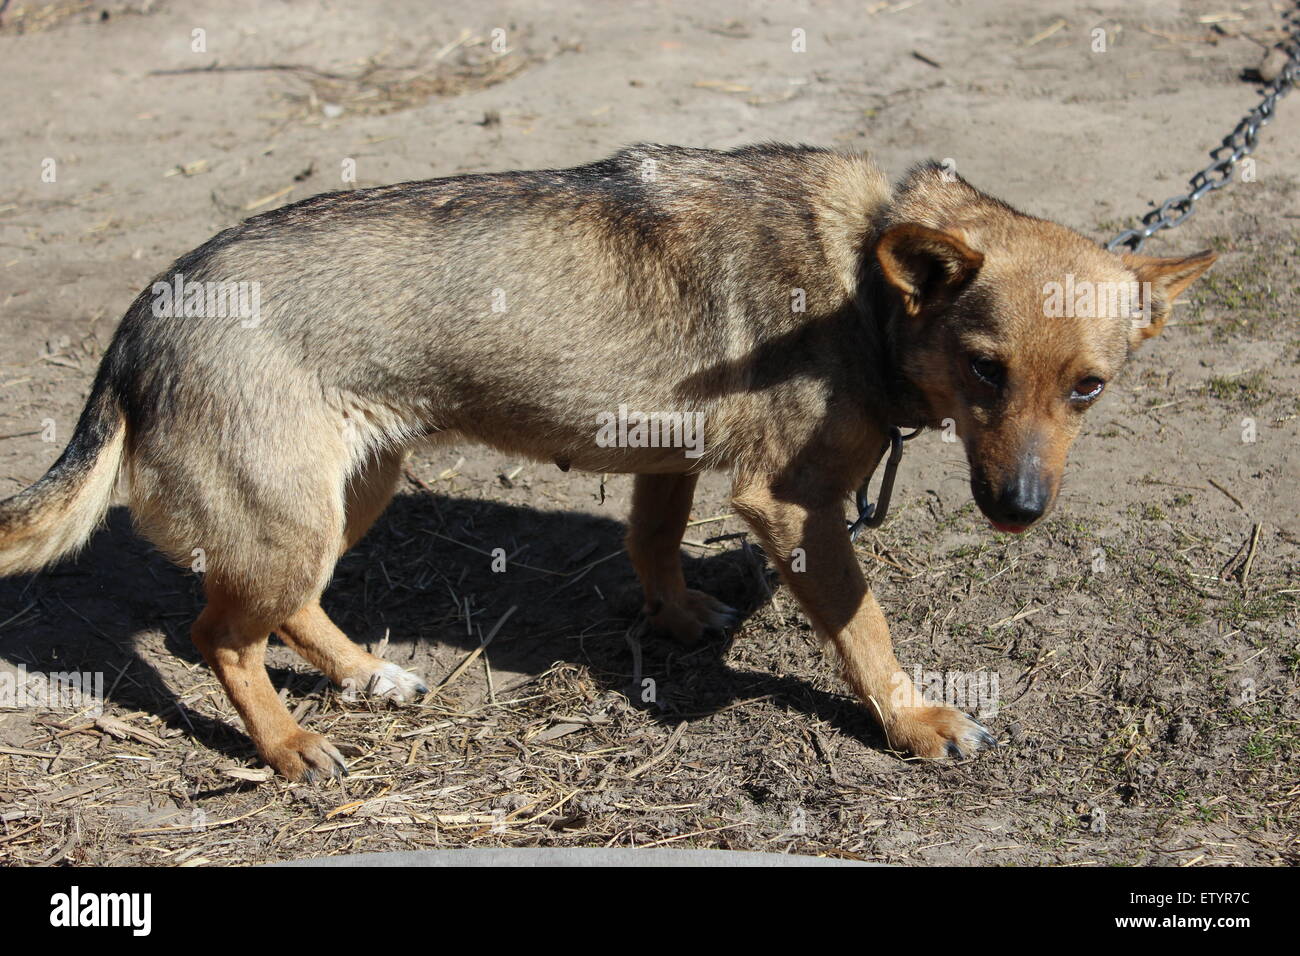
{"x":379,"y":316}
{"x":629,"y":276}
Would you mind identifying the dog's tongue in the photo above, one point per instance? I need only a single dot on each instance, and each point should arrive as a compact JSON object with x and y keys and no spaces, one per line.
{"x":1008,"y":528}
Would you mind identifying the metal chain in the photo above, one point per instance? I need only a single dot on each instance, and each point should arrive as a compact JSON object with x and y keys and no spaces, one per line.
{"x":1237,"y":145}
{"x":873,"y":515}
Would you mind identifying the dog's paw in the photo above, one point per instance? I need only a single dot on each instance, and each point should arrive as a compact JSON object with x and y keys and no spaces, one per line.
{"x":386,"y":681}
{"x":686,"y":618}
{"x":305,"y":757}
{"x":938,"y":733}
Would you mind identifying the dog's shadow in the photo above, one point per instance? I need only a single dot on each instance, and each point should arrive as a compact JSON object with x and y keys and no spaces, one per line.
{"x":433,"y":569}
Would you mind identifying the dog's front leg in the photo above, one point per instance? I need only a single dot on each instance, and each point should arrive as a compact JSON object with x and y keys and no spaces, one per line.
{"x":804,"y":534}
{"x":661,"y":506}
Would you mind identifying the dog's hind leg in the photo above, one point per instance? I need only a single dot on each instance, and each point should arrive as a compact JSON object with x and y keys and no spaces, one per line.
{"x":661,"y":506}
{"x":272,"y":535}
{"x":369,"y":492}
{"x":316,"y":638}
{"x":233,"y":642}
{"x":268,"y":516}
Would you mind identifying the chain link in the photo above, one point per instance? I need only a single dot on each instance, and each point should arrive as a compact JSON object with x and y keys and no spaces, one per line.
{"x":1237,"y":145}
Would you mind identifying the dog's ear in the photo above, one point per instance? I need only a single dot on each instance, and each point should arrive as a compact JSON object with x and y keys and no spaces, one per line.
{"x":1160,"y":281}
{"x":927,"y":266}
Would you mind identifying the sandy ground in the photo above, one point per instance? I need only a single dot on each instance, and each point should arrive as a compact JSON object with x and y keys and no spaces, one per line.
{"x":1145,"y":638}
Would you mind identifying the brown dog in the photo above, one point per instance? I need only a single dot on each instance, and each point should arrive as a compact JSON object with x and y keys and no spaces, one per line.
{"x":257,"y":400}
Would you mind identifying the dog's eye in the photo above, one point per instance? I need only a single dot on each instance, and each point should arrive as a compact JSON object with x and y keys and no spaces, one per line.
{"x":1087,"y":389}
{"x":988,"y":370}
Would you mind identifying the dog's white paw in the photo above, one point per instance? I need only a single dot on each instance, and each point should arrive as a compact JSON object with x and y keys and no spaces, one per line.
{"x":387,"y":681}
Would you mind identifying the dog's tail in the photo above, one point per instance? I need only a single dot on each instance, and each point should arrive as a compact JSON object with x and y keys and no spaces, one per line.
{"x":56,"y":516}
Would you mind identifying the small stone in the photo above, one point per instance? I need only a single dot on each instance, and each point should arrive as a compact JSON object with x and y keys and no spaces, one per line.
{"x":1274,"y":62}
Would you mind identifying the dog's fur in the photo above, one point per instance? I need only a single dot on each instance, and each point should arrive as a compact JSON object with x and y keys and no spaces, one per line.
{"x":660,"y":279}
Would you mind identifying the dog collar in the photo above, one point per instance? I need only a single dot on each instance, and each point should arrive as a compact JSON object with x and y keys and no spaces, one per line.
{"x":873,"y":515}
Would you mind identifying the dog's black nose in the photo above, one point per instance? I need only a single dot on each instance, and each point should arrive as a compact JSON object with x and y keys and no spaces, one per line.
{"x":1023,"y":501}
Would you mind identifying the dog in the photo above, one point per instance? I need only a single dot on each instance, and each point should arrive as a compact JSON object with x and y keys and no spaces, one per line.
{"x":785,"y":295}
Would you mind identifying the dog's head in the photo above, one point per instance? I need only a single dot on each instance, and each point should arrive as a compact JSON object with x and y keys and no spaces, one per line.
{"x":1011,"y":328}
